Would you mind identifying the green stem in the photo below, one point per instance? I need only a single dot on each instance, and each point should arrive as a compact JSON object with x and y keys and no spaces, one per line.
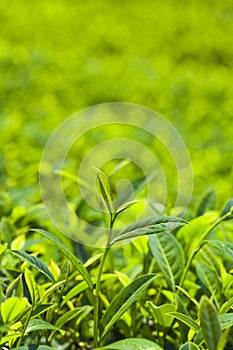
{"x":97,"y":289}
{"x":200,"y":245}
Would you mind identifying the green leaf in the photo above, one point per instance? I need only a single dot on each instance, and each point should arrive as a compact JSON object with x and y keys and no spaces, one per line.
{"x":105,"y":190}
{"x":210,"y":323}
{"x":207,"y":201}
{"x":51,"y":289}
{"x":32,"y":286}
{"x":126,"y":206}
{"x":126,"y":297}
{"x":12,"y":307}
{"x":170,"y":257}
{"x":70,"y":256}
{"x":132,"y":344}
{"x":186,"y":319}
{"x":38,"y":325}
{"x":148,"y":227}
{"x":209,"y":278}
{"x":225,"y":248}
{"x":34,"y":261}
{"x":226,"y":320}
{"x":228,"y":208}
{"x":40,"y":309}
{"x":35,"y":347}
{"x":189,"y":346}
{"x":226,"y":306}
{"x":10,"y":337}
{"x":83,"y":286}
{"x":161,"y":313}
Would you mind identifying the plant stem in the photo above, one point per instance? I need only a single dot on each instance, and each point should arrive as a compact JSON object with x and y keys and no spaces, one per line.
{"x":97,"y":289}
{"x":97,"y":298}
{"x":200,"y":245}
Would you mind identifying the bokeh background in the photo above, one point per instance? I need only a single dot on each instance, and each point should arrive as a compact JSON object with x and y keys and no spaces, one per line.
{"x":60,"y":56}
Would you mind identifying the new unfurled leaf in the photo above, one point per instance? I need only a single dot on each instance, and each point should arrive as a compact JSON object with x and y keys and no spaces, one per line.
{"x":105,"y":190}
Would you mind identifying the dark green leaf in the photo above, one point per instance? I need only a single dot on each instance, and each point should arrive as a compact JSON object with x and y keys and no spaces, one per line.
{"x":228,"y":208}
{"x":126,"y":297}
{"x":70,"y":256}
{"x":34,"y":261}
{"x":170,"y":257}
{"x":148,"y":227}
{"x":186,"y":319}
{"x":207,"y":201}
{"x":210,"y":323}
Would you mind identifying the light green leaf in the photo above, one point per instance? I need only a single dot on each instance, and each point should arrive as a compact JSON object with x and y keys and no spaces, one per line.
{"x":210,"y":323}
{"x":126,"y":206}
{"x":189,"y":346}
{"x":32,"y":286}
{"x":186,"y":319}
{"x":50,"y":290}
{"x":38,"y":325}
{"x":126,"y":297}
{"x":161,"y":313}
{"x":34,"y":261}
{"x":70,"y":256}
{"x":170,"y":257}
{"x":148,"y":227}
{"x":12,"y":307}
{"x":105,"y":190}
{"x":9,"y":337}
{"x":226,"y":306}
{"x":132,"y":344}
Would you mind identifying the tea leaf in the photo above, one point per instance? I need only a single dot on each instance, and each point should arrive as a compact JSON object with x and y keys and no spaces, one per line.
{"x":105,"y":190}
{"x":186,"y":319}
{"x":189,"y":346}
{"x":126,"y":297}
{"x":210,"y":323}
{"x":170,"y":257}
{"x":38,"y":325}
{"x":161,"y":313}
{"x":126,"y":206}
{"x":148,"y":227}
{"x":34,"y":261}
{"x":208,"y":201}
{"x":70,"y":256}
{"x":12,"y":307}
{"x":32,"y":286}
{"x":132,"y":344}
{"x":228,"y":208}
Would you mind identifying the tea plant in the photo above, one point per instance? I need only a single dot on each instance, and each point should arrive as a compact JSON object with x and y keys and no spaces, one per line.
{"x":165,"y":290}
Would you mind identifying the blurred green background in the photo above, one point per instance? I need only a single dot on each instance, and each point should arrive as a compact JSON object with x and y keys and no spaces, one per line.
{"x":59,"y":56}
